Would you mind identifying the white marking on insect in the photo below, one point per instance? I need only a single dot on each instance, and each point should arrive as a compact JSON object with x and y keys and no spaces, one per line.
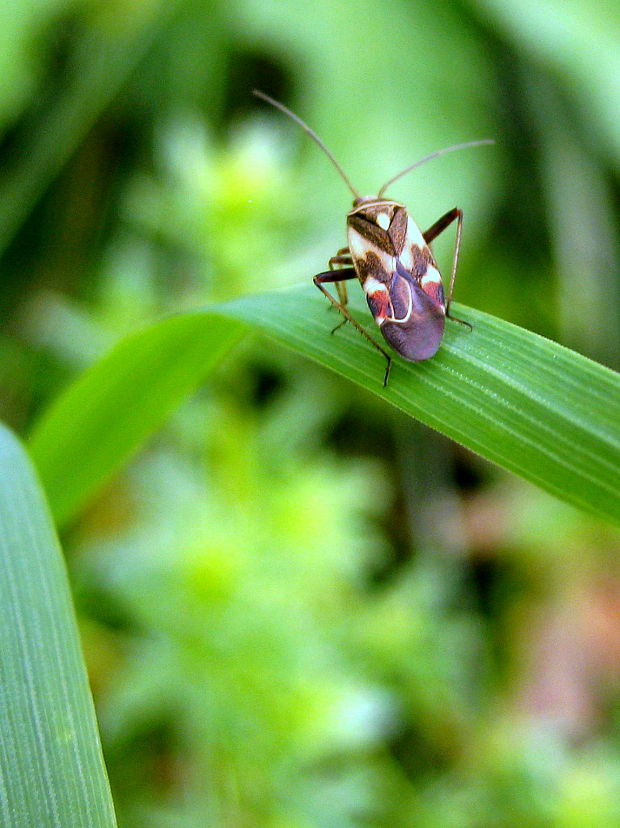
{"x":406,"y":258}
{"x":414,"y":234}
{"x":431,"y":275}
{"x":359,"y":247}
{"x":383,"y":220}
{"x":372,"y":285}
{"x":404,"y":318}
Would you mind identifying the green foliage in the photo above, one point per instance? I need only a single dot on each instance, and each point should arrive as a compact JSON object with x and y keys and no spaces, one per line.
{"x":51,"y":768}
{"x":92,"y":80}
{"x":115,"y":406}
{"x":263,"y":557}
{"x":534,"y":407}
{"x":524,"y":402}
{"x":299,"y":606}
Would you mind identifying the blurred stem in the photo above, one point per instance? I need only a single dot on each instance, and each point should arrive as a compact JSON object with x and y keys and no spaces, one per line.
{"x":433,"y":510}
{"x":583,"y":242}
{"x":105,"y":59}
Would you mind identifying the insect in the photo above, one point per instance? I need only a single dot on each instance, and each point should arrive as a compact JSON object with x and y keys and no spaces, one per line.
{"x":394,"y":263}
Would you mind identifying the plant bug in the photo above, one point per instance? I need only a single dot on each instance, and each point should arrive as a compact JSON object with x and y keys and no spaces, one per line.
{"x":394,"y":263}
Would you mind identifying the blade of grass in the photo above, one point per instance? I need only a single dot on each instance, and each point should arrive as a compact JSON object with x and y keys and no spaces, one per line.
{"x":517,"y":399}
{"x":111,"y":409}
{"x":533,"y":407}
{"x":109,"y":55}
{"x":51,"y":767}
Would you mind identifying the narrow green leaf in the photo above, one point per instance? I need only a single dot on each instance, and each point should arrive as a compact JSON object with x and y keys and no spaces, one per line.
{"x":523,"y":402}
{"x":108,"y":412}
{"x":91,"y":82}
{"x":51,"y":767}
{"x":533,"y":407}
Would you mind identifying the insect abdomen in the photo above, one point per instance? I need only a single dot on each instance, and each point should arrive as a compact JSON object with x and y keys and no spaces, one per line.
{"x":416,"y":329}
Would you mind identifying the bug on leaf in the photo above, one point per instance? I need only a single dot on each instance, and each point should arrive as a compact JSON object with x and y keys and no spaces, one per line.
{"x":394,"y":263}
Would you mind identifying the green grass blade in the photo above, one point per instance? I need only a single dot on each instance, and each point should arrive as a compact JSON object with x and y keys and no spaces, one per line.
{"x":51,"y":767}
{"x":109,"y":411}
{"x":517,"y":399}
{"x":109,"y":55}
{"x":533,"y":407}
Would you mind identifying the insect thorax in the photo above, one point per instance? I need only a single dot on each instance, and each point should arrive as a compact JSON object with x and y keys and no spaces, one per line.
{"x":382,"y":230}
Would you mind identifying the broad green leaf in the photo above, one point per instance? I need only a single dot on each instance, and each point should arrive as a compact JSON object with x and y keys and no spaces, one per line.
{"x":110,"y":410}
{"x":51,"y":767}
{"x":523,"y":402}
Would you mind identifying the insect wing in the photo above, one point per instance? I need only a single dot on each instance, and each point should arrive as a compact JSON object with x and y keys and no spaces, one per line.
{"x":399,"y":276}
{"x":416,"y":325}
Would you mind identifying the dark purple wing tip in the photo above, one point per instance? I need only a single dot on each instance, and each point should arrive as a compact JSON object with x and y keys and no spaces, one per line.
{"x":420,"y":336}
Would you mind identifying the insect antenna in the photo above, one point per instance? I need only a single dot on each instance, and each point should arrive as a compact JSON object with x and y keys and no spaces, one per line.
{"x":311,"y":133}
{"x":430,"y":157}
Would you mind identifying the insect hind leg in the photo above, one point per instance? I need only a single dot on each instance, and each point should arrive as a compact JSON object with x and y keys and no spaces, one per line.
{"x":432,"y":233}
{"x":330,"y":276}
{"x":459,"y":320}
{"x":343,"y":258}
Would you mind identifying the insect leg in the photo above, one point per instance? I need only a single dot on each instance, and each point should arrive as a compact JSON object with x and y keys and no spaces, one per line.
{"x":432,"y":233}
{"x":441,"y":224}
{"x":342,"y":257}
{"x":340,"y":275}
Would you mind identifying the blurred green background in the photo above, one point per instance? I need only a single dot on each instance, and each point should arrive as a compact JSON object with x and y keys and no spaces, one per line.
{"x":299,"y":608}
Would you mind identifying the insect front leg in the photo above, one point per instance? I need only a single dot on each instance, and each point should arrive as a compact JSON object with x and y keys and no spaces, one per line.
{"x":432,"y":233}
{"x":343,"y":258}
{"x":320,"y":280}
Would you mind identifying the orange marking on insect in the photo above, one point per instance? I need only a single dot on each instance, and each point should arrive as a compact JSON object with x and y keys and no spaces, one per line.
{"x":378,"y":299}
